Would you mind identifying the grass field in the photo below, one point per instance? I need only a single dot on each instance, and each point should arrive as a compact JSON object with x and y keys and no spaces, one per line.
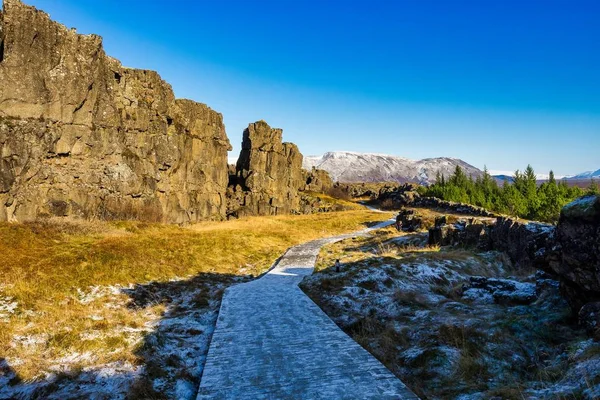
{"x":57,"y":276}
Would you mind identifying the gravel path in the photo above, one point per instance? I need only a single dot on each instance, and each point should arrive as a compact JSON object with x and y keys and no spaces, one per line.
{"x":272,"y":342}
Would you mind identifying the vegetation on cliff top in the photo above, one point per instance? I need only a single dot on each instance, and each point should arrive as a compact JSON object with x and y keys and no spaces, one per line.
{"x":522,"y":198}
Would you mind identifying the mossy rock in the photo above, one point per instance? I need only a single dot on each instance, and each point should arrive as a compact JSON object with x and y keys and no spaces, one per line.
{"x":586,"y":208}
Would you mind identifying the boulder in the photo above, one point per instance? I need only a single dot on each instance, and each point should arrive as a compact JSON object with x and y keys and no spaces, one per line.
{"x":589,"y":318}
{"x":462,"y":233}
{"x":82,"y":135}
{"x":444,"y":235}
{"x":502,"y":291}
{"x":410,"y":221}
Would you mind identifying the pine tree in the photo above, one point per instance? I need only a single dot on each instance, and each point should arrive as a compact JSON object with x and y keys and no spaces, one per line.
{"x":523,"y":197}
{"x":593,"y":187}
{"x":551,"y":179}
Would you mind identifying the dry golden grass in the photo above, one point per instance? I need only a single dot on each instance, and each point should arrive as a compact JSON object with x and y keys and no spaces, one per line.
{"x":338,"y":202}
{"x":44,"y":263}
{"x":381,"y":244}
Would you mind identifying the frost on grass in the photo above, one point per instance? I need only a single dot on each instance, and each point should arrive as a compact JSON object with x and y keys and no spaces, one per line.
{"x":167,"y":350}
{"x":454,"y":324}
{"x":8,"y":306}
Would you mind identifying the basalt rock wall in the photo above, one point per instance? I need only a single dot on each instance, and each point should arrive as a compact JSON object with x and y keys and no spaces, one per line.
{"x":577,"y":258}
{"x":268,"y":174}
{"x":82,"y":135}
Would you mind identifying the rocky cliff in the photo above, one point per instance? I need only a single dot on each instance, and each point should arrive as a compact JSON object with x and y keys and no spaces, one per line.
{"x":268,"y":174}
{"x":577,"y":259}
{"x":82,"y":135}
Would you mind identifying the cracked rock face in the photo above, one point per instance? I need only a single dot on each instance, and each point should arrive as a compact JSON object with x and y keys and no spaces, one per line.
{"x":578,"y":233}
{"x":316,"y":180}
{"x":268,"y":174}
{"x":82,"y":135}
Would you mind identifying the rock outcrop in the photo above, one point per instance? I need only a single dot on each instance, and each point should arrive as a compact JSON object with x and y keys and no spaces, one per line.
{"x":502,"y":291}
{"x":365,"y":189}
{"x":82,"y":135}
{"x":268,"y":174}
{"x":578,"y":264}
{"x":570,"y":251}
{"x":409,"y":221}
{"x":528,"y":244}
{"x":316,"y":180}
{"x":394,"y":197}
{"x":453,"y":207}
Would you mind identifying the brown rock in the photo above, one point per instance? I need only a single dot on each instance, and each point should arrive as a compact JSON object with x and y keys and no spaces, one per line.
{"x":316,"y":180}
{"x":268,"y":174}
{"x":82,"y":135}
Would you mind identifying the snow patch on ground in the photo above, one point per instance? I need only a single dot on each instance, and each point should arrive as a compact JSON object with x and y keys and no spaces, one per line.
{"x":464,"y":327}
{"x":172,"y":347}
{"x":7,"y":307}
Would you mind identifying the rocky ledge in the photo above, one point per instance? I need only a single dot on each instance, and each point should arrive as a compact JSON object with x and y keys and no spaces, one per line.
{"x":569,"y":251}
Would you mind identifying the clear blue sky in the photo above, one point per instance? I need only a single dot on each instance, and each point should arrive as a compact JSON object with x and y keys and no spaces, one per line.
{"x":502,"y":83}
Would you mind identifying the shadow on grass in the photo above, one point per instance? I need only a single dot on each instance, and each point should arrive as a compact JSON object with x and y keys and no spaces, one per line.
{"x":170,"y":358}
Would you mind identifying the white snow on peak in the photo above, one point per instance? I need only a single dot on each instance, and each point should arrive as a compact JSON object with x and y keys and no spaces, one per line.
{"x":348,"y":166}
{"x":587,"y":175}
{"x":495,"y":172}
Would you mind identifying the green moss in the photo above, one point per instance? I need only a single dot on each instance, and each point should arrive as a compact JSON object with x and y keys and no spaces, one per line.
{"x":587,"y":207}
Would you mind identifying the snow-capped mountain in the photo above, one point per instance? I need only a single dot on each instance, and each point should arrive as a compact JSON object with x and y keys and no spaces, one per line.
{"x":509,"y":175}
{"x":587,"y":175}
{"x":346,"y":166}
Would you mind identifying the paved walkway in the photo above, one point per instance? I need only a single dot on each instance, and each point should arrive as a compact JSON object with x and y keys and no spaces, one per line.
{"x":272,"y":342}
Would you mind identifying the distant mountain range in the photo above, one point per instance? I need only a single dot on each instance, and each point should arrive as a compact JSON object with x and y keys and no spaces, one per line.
{"x":349,"y":167}
{"x":504,"y":178}
{"x":584,"y":176}
{"x":587,"y":175}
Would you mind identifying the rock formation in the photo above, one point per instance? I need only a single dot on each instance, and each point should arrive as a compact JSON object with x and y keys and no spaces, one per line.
{"x":268,"y":174}
{"x":316,"y":180}
{"x":394,"y":197}
{"x":82,"y":135}
{"x":570,"y":251}
{"x":578,"y":237}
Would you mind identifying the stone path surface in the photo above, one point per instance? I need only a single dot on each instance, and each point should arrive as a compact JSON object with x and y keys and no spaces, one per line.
{"x":272,"y":342}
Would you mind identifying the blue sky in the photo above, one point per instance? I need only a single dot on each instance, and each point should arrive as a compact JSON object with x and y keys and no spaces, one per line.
{"x":502,"y":83}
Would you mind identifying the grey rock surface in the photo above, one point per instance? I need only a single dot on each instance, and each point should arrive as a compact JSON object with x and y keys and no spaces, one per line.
{"x":273,"y":342}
